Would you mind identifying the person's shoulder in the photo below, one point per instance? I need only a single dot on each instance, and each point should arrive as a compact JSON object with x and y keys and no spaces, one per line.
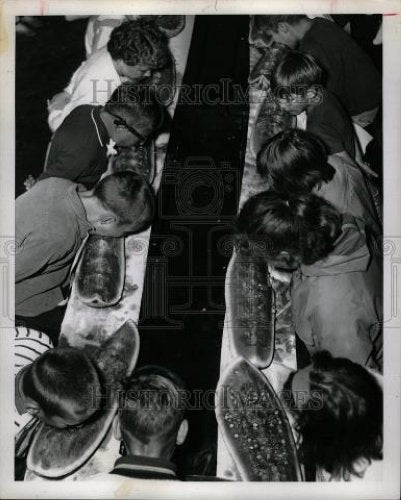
{"x":44,"y":190}
{"x":55,"y":184}
{"x":76,"y":128}
{"x":323,"y":26}
{"x":346,"y":175}
{"x":100,"y":56}
{"x":54,"y":193}
{"x":328,"y":108}
{"x":80,"y":113}
{"x":324,"y":39}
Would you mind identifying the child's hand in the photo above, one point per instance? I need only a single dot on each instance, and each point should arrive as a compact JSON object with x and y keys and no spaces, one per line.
{"x":29,"y":182}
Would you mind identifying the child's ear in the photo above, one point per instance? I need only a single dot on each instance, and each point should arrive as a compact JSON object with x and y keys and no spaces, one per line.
{"x":32,"y":407}
{"x":314,"y":93}
{"x":182,"y":432}
{"x":117,"y":428}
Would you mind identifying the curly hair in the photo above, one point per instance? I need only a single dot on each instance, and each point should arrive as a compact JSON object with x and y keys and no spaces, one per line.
{"x":305,"y":227}
{"x":139,"y":42}
{"x":348,"y":425}
{"x":294,"y":162}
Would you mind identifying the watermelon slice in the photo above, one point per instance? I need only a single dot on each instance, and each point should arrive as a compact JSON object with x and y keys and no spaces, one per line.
{"x":250,"y":304}
{"x":261,"y":73}
{"x":140,"y":159}
{"x":101,"y":271}
{"x":254,"y":425}
{"x":55,"y":453}
{"x":270,"y":121}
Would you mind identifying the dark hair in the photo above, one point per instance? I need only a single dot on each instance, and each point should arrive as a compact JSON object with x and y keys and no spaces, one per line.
{"x":138,"y":104}
{"x":62,"y":379}
{"x":295,"y":73}
{"x":305,"y":227}
{"x":348,"y":424}
{"x":139,"y":42}
{"x":261,"y":24}
{"x":153,"y":406}
{"x":294,"y":162}
{"x":129,"y":196}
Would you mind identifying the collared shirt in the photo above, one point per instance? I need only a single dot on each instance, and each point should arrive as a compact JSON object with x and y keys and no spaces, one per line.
{"x":144,"y":467}
{"x":348,"y":193}
{"x":92,"y":83}
{"x":78,"y":150}
{"x":138,"y":467}
{"x":50,"y":223}
{"x":337,"y":301}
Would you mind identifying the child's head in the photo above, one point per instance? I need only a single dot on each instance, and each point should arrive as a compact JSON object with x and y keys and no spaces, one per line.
{"x":344,"y":422}
{"x":294,"y":162}
{"x":287,"y":231}
{"x":138,"y":48}
{"x":60,"y":387}
{"x":127,"y":202}
{"x":151,"y":416}
{"x":280,"y":29}
{"x":135,"y":114}
{"x":296,"y":82}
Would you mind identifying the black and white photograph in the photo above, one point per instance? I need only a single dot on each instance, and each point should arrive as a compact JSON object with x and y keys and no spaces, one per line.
{"x":203,"y":249}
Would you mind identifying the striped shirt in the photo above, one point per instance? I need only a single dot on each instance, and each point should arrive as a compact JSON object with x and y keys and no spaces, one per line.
{"x":28,"y":345}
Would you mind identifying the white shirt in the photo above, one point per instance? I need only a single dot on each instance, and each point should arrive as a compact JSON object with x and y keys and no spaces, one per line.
{"x":92,"y":83}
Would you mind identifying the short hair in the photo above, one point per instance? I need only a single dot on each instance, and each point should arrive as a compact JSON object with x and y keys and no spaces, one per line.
{"x":294,"y":73}
{"x":348,"y":424}
{"x":261,"y":24}
{"x":294,"y":162}
{"x":130,"y":197}
{"x":62,"y":379}
{"x":306,"y":227}
{"x":153,"y":405}
{"x":139,"y":42}
{"x":139,"y":104}
{"x":271,"y":22}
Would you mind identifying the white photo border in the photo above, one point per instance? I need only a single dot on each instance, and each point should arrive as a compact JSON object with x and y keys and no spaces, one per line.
{"x":389,"y":487}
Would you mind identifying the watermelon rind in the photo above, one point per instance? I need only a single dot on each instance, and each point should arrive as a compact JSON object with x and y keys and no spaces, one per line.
{"x":47,"y":461}
{"x":254,"y":425}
